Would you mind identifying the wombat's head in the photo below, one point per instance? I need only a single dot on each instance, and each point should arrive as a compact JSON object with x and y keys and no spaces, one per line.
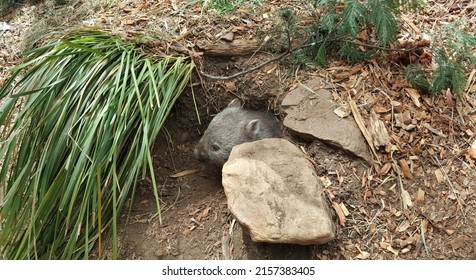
{"x":230,"y":127}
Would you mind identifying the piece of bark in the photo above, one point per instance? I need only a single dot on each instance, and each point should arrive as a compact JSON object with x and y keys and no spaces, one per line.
{"x":360,"y":123}
{"x":379,"y":132}
{"x":237,"y":47}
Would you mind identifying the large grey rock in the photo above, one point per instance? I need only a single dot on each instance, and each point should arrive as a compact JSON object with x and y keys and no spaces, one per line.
{"x":275,"y":194}
{"x":311,"y":116}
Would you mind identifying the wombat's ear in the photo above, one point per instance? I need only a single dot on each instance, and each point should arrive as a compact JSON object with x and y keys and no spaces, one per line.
{"x":252,"y":127}
{"x":235,"y":103}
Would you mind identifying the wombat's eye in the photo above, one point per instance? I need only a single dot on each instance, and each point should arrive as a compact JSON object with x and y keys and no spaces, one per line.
{"x":215,"y":147}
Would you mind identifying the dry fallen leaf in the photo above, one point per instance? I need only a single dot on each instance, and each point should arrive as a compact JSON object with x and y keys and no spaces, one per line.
{"x":458,"y":242}
{"x":449,"y":99}
{"x":339,"y":212}
{"x":363,"y":255}
{"x":183,"y":173}
{"x":403,"y":226}
{"x":204,"y":213}
{"x":230,"y":86}
{"x":379,"y":109}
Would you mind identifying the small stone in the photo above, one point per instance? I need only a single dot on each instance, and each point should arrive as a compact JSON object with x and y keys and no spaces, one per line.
{"x":228,"y":37}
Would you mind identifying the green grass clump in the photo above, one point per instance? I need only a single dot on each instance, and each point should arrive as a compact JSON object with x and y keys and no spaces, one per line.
{"x":78,"y":127}
{"x":231,"y":5}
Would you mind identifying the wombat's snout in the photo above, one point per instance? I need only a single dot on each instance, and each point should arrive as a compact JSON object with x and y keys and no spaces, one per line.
{"x":200,"y":153}
{"x":231,"y":127}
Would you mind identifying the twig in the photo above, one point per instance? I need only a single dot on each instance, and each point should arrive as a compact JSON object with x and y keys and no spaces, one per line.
{"x":363,"y":129}
{"x":435,"y":131}
{"x":289,"y":51}
{"x":404,"y":195}
{"x":423,"y":240}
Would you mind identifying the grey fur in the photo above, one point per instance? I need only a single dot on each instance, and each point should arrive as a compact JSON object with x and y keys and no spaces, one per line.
{"x":233,"y":126}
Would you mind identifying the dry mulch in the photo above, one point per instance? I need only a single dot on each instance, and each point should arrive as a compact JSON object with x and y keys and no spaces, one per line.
{"x":415,"y":201}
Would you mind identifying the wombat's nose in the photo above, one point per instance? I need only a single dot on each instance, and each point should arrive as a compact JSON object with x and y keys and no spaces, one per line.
{"x":199,"y":154}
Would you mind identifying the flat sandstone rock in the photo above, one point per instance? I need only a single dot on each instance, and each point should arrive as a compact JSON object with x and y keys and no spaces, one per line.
{"x":311,"y":116}
{"x":275,"y":194}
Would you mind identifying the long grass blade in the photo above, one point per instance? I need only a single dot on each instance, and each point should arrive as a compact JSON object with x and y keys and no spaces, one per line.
{"x":79,"y":126}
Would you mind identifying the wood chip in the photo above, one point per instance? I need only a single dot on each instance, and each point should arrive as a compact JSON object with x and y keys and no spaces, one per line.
{"x":405,"y":250}
{"x":409,"y":241}
{"x":407,"y":173}
{"x":385,"y":168}
{"x":379,"y":109}
{"x":393,"y":250}
{"x":384,"y":245}
{"x":344,"y":209}
{"x":439,"y":176}
{"x":458,"y":242}
{"x":378,"y":132}
{"x":449,"y":231}
{"x":420,"y":196}
{"x":437,"y":132}
{"x":471,"y":152}
{"x":424,"y":226}
{"x":397,"y":106}
{"x":403,"y":226}
{"x":228,"y":37}
{"x":414,"y":95}
{"x":372,"y":228}
{"x":204,"y":213}
{"x":410,"y":23}
{"x":406,"y":199}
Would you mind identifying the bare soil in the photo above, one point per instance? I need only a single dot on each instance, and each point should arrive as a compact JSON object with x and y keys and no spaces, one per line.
{"x":195,"y":222}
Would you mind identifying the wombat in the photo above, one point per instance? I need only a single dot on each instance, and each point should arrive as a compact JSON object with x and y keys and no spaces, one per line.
{"x":233,"y":126}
